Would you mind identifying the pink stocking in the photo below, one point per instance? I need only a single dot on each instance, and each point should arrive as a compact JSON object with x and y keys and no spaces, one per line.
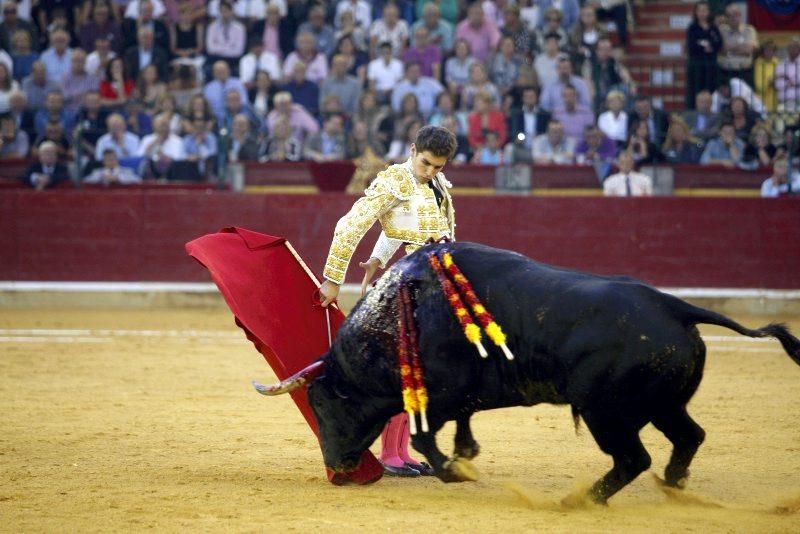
{"x":405,"y":436}
{"x":391,"y":440}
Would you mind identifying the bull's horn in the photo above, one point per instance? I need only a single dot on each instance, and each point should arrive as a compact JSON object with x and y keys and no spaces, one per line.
{"x":295,"y":381}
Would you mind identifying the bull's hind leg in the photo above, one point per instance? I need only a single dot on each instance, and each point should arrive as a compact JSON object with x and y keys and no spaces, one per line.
{"x":686,"y":436}
{"x":621,"y":441}
{"x":465,"y":444}
{"x":448,"y":470}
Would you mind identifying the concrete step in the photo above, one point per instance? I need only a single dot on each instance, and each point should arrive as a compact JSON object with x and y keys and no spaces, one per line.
{"x":658,"y":34}
{"x":658,"y":77}
{"x":666,"y":49}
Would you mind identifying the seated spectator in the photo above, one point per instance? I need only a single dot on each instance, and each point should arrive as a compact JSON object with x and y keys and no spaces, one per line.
{"x":135,"y":8}
{"x":595,"y":149}
{"x":656,"y":119}
{"x":608,"y":74}
{"x":13,"y":24}
{"x":184,"y":86}
{"x":118,"y":139}
{"x":186,"y":40}
{"x":116,"y":89}
{"x":307,"y":53}
{"x":216,"y":89}
{"x":551,"y":93}
{"x":546,"y":62}
{"x":200,"y":145}
{"x":197,"y":10}
{"x":384,"y":73}
{"x":490,"y":152}
{"x":14,"y":143}
{"x":197,"y":108}
{"x":395,"y":126}
{"x":301,"y":123}
{"x":553,"y":147}
{"x":401,"y":145}
{"x":56,"y":58}
{"x":139,"y":122}
{"x":759,"y":152}
{"x":226,"y":37}
{"x":374,"y":115}
{"x":789,"y":147}
{"x":23,"y":55}
{"x":146,"y":19}
{"x":440,"y":32}
{"x":616,"y":11}
{"x":568,"y":9}
{"x":457,"y":68}
{"x":614,"y":122}
{"x":702,"y":122}
{"x":54,"y":132}
{"x":627,"y":182}
{"x":742,"y":117}
{"x":551,"y":25}
{"x":640,"y":146}
{"x":22,"y":116}
{"x":233,"y":107}
{"x":721,"y":99}
{"x":574,"y":117}
{"x":389,"y":28}
{"x":726,"y":150}
{"x":7,"y":86}
{"x":787,"y":78}
{"x":361,"y":12}
{"x":281,"y":145}
{"x":47,"y":172}
{"x":98,"y":60}
{"x":53,"y":111}
{"x":328,"y":144}
{"x":427,"y":54}
{"x":779,"y":183}
{"x":486,"y":118}
{"x":149,"y":89}
{"x":347,"y":87}
{"x":426,"y":89}
{"x":679,"y":146}
{"x":76,"y":82}
{"x":530,"y":14}
{"x":112,"y":173}
{"x":528,"y":119}
{"x":357,"y":35}
{"x":274,"y":32}
{"x":92,"y":122}
{"x":481,"y":34}
{"x":37,"y":86}
{"x":505,"y":66}
{"x":323,"y":33}
{"x":261,"y":94}
{"x":764,"y":78}
{"x":304,"y":92}
{"x":514,"y":27}
{"x":463,"y":153}
{"x":102,"y":24}
{"x":242,"y":145}
{"x":585,"y":36}
{"x":357,"y":60}
{"x":446,"y":107}
{"x":257,"y":60}
{"x":359,"y":143}
{"x":478,"y":83}
{"x":161,"y":148}
{"x":145,"y":53}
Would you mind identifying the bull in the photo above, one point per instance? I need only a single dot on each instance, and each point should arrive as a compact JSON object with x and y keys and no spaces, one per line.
{"x":619,"y":352}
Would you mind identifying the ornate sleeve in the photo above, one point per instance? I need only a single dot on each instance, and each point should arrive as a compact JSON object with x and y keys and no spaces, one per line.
{"x":390,"y":187}
{"x":385,"y":247}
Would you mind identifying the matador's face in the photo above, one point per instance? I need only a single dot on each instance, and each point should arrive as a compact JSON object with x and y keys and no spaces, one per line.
{"x":425,"y":164}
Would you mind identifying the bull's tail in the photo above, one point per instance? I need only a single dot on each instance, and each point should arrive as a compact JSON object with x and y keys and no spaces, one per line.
{"x":691,"y":314}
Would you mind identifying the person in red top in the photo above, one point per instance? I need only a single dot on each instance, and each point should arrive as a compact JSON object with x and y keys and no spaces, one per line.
{"x":115,"y":89}
{"x":486,"y":118}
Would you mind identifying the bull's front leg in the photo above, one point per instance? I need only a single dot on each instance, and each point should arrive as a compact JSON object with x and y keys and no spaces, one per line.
{"x":465,"y":444}
{"x":447,"y":469}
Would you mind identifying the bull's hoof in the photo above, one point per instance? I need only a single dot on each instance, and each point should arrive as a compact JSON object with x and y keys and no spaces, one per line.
{"x":468,"y":451}
{"x":673,"y":481}
{"x":458,"y":470}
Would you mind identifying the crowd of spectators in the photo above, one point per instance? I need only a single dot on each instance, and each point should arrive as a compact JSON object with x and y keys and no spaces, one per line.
{"x":125,"y":90}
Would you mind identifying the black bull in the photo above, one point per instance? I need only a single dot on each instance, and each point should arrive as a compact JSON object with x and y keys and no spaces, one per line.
{"x":621,"y":353}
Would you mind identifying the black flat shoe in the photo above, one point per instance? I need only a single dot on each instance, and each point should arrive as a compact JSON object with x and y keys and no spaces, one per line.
{"x":405,"y":471}
{"x":422,"y":468}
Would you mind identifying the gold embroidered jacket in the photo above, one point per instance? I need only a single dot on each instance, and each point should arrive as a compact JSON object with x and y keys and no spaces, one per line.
{"x":408,"y":213}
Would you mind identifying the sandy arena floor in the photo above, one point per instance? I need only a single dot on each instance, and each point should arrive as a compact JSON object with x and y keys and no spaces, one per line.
{"x":129,"y":420}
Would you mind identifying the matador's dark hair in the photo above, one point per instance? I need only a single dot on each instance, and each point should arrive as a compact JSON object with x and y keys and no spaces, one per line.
{"x":437,"y":140}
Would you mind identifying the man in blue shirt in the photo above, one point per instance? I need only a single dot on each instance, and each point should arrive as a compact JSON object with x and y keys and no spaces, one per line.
{"x":215,"y":90}
{"x":426,"y":89}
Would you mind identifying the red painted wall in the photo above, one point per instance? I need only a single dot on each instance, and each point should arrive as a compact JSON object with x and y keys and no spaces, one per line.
{"x":139,"y":235}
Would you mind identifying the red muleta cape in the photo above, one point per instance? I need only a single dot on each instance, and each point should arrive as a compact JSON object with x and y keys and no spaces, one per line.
{"x":273,"y":296}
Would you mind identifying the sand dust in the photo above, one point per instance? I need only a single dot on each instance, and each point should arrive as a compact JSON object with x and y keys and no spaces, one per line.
{"x":103,"y":430}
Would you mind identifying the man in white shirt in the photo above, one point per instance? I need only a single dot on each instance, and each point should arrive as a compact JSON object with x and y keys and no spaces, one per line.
{"x":779,"y":183}
{"x":161,"y":147}
{"x":627,"y":182}
{"x":112,"y":172}
{"x":384,"y":72}
{"x":118,"y":139}
{"x":389,"y":28}
{"x":258,"y":59}
{"x":361,"y":10}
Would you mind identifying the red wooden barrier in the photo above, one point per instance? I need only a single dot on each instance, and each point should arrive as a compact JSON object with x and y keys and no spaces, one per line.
{"x":127,"y":235}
